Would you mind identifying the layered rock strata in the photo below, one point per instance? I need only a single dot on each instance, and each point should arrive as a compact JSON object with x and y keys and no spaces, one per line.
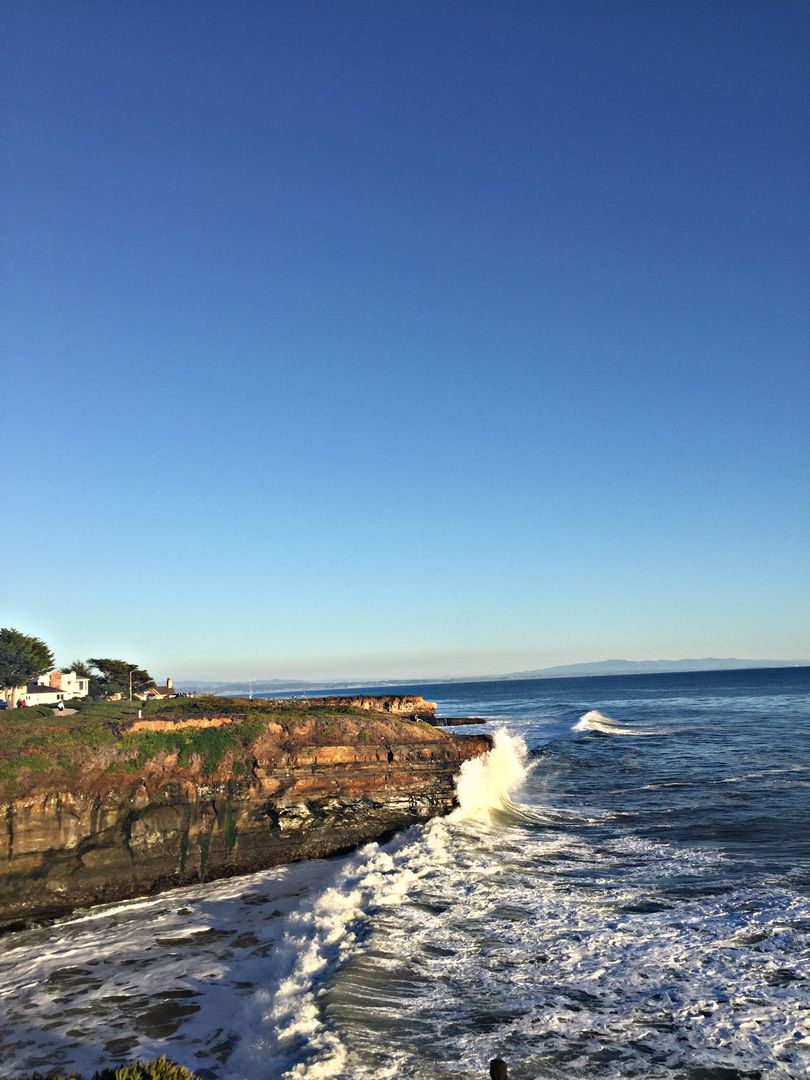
{"x":307,"y":795}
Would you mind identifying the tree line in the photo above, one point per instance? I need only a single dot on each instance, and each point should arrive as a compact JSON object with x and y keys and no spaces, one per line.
{"x":24,"y":658}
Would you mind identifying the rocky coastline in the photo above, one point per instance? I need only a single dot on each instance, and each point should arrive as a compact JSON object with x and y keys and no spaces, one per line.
{"x":210,"y":788}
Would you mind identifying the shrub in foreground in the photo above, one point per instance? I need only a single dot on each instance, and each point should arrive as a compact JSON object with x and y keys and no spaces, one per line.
{"x":159,"y":1069}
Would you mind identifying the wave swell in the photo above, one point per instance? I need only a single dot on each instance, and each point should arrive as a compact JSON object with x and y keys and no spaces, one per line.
{"x":606,"y":725}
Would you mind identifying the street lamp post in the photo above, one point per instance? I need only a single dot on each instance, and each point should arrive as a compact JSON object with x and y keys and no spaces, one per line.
{"x":130,"y":682}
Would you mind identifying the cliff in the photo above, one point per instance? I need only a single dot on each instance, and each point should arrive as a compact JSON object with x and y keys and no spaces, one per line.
{"x":411,"y":706}
{"x":103,"y":806}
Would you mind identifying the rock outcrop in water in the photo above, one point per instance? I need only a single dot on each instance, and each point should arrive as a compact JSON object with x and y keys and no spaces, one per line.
{"x":206,"y":789}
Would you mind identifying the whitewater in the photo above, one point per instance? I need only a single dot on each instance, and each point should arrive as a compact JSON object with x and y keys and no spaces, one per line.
{"x":597,"y":905}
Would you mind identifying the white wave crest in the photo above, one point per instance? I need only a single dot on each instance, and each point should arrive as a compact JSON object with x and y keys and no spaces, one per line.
{"x":597,"y":721}
{"x":485,"y":783}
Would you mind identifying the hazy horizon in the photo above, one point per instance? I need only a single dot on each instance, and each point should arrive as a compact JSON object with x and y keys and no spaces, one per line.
{"x":702,"y":663}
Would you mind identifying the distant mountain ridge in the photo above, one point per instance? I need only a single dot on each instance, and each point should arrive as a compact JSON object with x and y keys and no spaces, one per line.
{"x":640,"y":667}
{"x":561,"y":671}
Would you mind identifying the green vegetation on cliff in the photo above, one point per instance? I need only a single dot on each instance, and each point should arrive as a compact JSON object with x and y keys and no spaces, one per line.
{"x":40,"y":749}
{"x":36,"y":740}
{"x":101,"y":804}
{"x":210,"y":745}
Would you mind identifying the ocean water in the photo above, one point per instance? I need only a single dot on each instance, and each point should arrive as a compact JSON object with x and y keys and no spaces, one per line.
{"x":624,"y":891}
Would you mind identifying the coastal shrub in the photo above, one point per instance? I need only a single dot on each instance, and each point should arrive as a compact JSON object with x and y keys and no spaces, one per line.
{"x":29,"y":712}
{"x":158,"y":1069}
{"x":91,"y":734}
{"x":36,"y":763}
{"x":39,"y":742}
{"x":210,"y":745}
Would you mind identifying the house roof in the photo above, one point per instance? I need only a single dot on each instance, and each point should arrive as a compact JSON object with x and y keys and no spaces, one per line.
{"x":39,"y":688}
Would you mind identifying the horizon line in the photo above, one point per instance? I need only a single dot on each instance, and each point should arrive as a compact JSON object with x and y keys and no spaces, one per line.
{"x":551,"y":672}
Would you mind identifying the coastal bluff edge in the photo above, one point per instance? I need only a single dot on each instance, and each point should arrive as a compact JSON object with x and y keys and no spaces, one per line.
{"x":117,"y":801}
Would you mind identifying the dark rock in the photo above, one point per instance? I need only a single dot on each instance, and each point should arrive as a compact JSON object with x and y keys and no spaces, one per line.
{"x":455,"y":721}
{"x":497,"y":1069}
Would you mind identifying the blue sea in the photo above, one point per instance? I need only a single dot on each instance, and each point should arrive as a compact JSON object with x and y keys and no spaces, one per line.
{"x":624,"y":891}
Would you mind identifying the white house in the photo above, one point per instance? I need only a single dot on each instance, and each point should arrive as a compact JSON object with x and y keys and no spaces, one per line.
{"x":69,"y":683}
{"x":166,"y":691}
{"x":53,"y":687}
{"x":37,"y":694}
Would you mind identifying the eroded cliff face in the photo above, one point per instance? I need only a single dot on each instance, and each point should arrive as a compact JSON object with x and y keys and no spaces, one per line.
{"x":322,"y":787}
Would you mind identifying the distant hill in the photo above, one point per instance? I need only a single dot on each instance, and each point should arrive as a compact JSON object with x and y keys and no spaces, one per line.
{"x":562,"y":671}
{"x":640,"y":667}
{"x":257,"y":686}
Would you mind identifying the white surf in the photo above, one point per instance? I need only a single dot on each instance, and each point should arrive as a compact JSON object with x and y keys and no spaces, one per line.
{"x":606,"y":725}
{"x":291,"y":1028}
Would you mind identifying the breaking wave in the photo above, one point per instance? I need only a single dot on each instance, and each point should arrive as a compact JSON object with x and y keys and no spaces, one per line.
{"x":320,"y":940}
{"x":605,"y":725}
{"x":485,"y":783}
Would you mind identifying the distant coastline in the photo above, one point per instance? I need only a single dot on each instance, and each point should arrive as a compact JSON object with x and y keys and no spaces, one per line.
{"x":592,"y":669}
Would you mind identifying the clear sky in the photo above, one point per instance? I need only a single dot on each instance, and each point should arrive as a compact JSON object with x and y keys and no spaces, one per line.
{"x":405,"y":338}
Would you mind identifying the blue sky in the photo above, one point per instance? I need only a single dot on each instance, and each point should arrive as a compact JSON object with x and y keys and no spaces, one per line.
{"x":405,"y":339}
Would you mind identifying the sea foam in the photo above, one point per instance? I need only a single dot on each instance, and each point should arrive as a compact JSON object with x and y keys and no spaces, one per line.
{"x":291,"y":1030}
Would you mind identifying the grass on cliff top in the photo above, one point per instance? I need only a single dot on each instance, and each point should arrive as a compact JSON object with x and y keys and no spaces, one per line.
{"x":210,"y":745}
{"x":279,"y":709}
{"x":37,"y":740}
{"x":38,"y":748}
